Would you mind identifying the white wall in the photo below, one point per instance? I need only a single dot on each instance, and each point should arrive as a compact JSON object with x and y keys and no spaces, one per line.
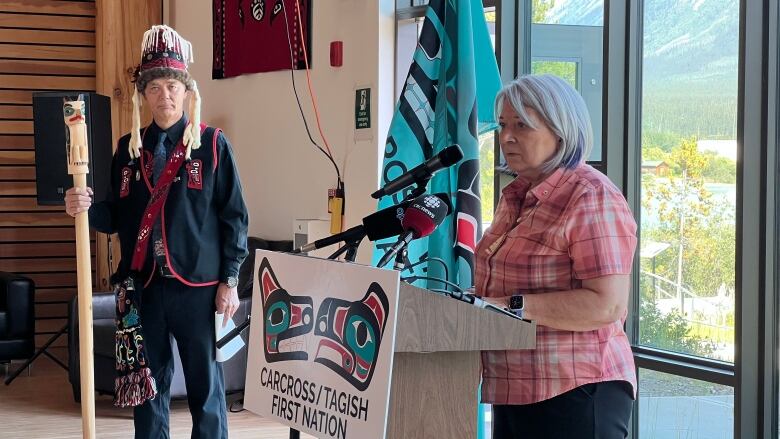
{"x":283,"y":175}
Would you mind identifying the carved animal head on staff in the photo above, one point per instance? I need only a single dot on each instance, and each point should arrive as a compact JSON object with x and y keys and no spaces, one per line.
{"x":74,"y":113}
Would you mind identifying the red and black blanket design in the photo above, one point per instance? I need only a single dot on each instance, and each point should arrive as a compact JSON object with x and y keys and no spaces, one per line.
{"x":251,"y":36}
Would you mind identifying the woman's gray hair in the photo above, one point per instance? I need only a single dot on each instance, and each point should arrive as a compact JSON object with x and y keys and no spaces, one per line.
{"x":562,"y":109}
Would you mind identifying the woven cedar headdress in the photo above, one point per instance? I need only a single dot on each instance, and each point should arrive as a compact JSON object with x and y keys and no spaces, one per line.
{"x":163,"y":50}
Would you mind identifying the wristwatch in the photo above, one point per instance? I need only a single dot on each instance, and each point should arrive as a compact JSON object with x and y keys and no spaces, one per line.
{"x":231,"y":281}
{"x":517,"y":304}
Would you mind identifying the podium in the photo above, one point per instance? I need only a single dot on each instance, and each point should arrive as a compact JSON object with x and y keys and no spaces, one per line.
{"x":347,"y":351}
{"x":436,"y":362}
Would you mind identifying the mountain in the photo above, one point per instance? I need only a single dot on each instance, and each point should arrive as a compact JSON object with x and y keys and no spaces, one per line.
{"x":687,"y":43}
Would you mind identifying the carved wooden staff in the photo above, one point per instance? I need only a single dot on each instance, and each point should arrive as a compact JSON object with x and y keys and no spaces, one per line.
{"x":78,"y":167}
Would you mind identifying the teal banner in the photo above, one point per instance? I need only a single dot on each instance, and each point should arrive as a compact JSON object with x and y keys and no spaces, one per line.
{"x":447,"y":99}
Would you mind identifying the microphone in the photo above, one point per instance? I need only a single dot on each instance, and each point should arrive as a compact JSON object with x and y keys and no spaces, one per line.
{"x":423,"y":172}
{"x":420,"y":219}
{"x":379,"y":225}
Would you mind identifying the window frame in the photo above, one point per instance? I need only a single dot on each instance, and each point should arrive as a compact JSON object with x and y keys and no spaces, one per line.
{"x":754,"y":373}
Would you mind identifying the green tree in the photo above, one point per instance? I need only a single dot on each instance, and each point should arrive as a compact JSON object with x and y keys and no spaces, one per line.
{"x":539,"y":9}
{"x":669,"y":331}
{"x":689,"y":162}
{"x":720,"y":170}
{"x":710,"y":254}
{"x":682,"y":202}
{"x":563,"y":69}
{"x":662,"y":140}
{"x":486,"y":174}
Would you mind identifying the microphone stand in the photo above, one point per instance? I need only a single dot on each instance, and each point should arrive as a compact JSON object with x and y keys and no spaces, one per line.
{"x":350,"y":248}
{"x":401,"y":260}
{"x":402,"y":257}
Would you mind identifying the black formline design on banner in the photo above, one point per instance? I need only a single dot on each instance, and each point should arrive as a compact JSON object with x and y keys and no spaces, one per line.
{"x":349,"y":333}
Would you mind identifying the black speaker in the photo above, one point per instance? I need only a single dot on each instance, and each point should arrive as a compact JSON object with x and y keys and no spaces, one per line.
{"x":51,"y":164}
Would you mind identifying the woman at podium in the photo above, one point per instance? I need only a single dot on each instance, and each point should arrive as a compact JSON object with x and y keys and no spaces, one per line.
{"x":559,"y":252}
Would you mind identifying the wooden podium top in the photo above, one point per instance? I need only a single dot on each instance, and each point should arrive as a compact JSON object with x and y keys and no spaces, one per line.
{"x":431,"y":322}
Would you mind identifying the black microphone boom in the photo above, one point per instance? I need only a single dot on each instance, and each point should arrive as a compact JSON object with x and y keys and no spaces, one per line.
{"x":423,"y":172}
{"x":353,"y":234}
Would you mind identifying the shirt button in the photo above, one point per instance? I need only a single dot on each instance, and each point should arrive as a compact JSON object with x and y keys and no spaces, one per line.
{"x":148,"y":215}
{"x":545,"y":192}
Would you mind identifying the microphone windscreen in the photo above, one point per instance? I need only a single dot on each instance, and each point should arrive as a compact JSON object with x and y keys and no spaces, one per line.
{"x":424,"y":215}
{"x":386,"y":222}
{"x":446,"y":200}
{"x":450,"y":155}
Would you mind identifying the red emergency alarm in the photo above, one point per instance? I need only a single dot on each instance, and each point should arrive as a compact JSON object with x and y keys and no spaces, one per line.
{"x":336,"y":53}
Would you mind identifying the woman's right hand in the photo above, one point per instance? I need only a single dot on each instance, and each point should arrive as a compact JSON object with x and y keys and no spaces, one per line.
{"x":78,"y":200}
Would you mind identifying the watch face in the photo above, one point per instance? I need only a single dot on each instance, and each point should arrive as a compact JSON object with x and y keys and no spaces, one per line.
{"x":232,"y":282}
{"x":516,"y":302}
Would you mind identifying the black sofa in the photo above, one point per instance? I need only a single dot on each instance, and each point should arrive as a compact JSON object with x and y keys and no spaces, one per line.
{"x":103,"y":314}
{"x":17,"y":317}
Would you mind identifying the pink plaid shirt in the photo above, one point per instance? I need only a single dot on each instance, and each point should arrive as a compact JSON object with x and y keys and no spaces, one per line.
{"x":574,"y":225}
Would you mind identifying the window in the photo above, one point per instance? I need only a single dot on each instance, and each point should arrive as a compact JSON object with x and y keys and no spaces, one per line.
{"x":672,"y":406}
{"x":688,"y":177}
{"x":487,"y":147}
{"x":692,"y":101}
{"x":568,"y":70}
{"x":566,"y":41}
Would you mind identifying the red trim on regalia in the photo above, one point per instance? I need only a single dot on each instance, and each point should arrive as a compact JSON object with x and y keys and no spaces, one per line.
{"x":168,"y":62}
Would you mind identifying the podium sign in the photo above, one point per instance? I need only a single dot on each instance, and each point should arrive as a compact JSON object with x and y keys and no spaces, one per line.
{"x":321,"y":345}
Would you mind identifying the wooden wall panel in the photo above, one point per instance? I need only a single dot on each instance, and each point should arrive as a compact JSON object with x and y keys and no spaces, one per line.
{"x":119,"y":29}
{"x":56,"y":295}
{"x":57,"y":7}
{"x":48,"y":22}
{"x":25,"y":203}
{"x":16,"y":126}
{"x":45,"y":310}
{"x":53,"y":280}
{"x":16,"y":143}
{"x":26,"y":173}
{"x":74,"y":53}
{"x":58,"y":45}
{"x":17,"y":157}
{"x":53,"y":37}
{"x":16,"y":97}
{"x":31,"y":82}
{"x":38,"y":234}
{"x":44,"y":45}
{"x":16,"y":112}
{"x":13,"y":188}
{"x":30,"y":219}
{"x":48,"y":67}
{"x":39,"y":265}
{"x":37,"y":249}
